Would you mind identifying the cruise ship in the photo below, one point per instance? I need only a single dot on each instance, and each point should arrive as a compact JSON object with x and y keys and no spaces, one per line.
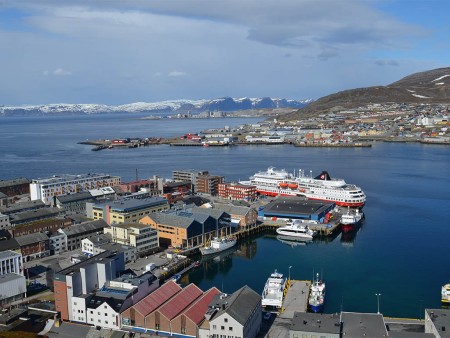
{"x":274,"y":182}
{"x":273,"y":293}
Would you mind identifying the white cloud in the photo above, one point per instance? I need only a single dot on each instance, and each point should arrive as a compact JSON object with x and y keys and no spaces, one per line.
{"x":176,"y":73}
{"x":307,"y":48}
{"x":61,"y":72}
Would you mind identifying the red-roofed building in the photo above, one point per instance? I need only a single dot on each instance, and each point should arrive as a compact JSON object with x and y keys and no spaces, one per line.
{"x":135,"y":316}
{"x":160,"y":320}
{"x":188,"y":321}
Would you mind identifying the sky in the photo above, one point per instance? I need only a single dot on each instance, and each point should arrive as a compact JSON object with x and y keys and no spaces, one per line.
{"x":117,"y":52}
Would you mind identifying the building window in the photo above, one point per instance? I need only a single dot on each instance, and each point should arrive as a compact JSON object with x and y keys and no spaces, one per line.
{"x":214,"y":327}
{"x":225,"y":320}
{"x":222,"y":328}
{"x":230,"y":328}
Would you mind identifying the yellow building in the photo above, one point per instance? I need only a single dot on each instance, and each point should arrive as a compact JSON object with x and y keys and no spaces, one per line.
{"x":126,"y":210}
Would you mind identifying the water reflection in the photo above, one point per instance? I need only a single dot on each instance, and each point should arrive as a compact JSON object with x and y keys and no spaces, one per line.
{"x":349,"y":237}
{"x":292,"y":241}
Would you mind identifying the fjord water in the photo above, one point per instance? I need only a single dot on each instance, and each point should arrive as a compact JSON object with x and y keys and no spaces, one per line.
{"x":401,"y":251}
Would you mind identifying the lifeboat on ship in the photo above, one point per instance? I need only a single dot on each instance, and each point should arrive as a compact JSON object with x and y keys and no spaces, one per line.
{"x":293,"y":186}
{"x":283,"y":185}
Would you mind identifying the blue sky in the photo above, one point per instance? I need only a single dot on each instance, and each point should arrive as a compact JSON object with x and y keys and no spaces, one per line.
{"x":117,"y":52}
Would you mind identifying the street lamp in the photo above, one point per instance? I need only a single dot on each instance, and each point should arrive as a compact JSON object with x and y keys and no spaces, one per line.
{"x":378,"y":302}
{"x":290,"y":266}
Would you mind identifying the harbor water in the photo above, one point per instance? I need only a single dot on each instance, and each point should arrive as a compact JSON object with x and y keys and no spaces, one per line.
{"x":400,"y":251}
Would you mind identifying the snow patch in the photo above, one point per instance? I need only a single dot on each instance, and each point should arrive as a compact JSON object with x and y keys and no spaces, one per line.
{"x":440,"y":78}
{"x":439,"y":83}
{"x":421,"y":96}
{"x":411,"y":91}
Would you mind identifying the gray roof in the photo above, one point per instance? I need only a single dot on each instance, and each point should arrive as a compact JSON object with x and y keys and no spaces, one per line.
{"x":172,"y":219}
{"x":240,"y":305}
{"x":2,"y":195}
{"x":295,"y":206}
{"x":9,"y":244}
{"x":356,"y":325}
{"x":116,"y":247}
{"x":8,"y":253}
{"x":81,"y":196}
{"x":16,"y":207}
{"x":102,"y":257}
{"x":127,"y":205}
{"x":91,"y":226}
{"x":316,"y":322}
{"x":34,"y":214}
{"x":215,"y":213}
{"x":232,"y":209}
{"x":31,"y":238}
{"x":16,"y":181}
{"x":100,"y":239}
{"x":10,"y":276}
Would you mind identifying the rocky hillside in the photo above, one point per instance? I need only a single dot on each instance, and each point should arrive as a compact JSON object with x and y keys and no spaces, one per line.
{"x":432,"y":86}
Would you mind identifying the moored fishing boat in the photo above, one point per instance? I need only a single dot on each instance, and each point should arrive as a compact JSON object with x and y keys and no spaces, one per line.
{"x":317,"y":296}
{"x":218,"y":245}
{"x":350,"y":219}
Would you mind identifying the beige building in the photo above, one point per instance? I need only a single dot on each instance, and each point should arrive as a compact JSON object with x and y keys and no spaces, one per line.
{"x":140,"y":236}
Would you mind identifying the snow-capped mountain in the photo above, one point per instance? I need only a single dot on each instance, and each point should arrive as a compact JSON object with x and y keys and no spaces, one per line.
{"x":226,"y":104}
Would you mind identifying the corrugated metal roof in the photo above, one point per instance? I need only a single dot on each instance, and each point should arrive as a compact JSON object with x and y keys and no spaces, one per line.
{"x":197,"y":311}
{"x":182,"y":300}
{"x":171,"y":219}
{"x":31,"y":238}
{"x":85,"y":227}
{"x":157,"y":298}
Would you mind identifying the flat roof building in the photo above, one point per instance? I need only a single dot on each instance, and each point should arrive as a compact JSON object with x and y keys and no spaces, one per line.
{"x":126,"y":210}
{"x":295,"y":208}
{"x":46,"y":189}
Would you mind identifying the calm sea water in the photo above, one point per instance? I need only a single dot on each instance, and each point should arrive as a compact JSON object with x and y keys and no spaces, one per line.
{"x":401,"y":250}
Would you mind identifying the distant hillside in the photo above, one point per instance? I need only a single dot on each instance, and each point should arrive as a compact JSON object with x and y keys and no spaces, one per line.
{"x":432,"y":86}
{"x":226,"y":104}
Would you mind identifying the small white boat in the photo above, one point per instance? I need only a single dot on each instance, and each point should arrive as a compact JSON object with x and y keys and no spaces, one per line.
{"x":297,"y":230}
{"x":218,"y":245}
{"x":445,"y":295}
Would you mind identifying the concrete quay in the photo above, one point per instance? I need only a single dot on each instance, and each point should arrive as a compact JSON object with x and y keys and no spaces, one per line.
{"x":295,"y":300}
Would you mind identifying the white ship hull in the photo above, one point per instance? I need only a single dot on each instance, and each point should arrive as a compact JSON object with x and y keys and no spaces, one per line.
{"x":297,"y":230}
{"x":273,"y":293}
{"x":218,"y":245}
{"x":281,"y":183}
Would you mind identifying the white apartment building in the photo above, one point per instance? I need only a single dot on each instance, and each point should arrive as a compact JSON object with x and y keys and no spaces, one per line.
{"x":10,"y":262}
{"x":46,"y":189}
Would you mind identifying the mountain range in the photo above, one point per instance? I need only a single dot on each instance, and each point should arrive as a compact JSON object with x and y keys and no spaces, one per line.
{"x":226,"y":104}
{"x":428,"y":87}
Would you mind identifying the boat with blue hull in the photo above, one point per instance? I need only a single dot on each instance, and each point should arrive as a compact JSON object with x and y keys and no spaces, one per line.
{"x":317,"y":295}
